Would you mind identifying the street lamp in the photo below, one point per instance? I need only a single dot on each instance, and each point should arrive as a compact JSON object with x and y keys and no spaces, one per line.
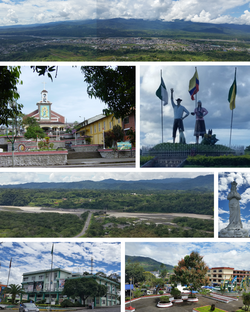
{"x":13,"y":105}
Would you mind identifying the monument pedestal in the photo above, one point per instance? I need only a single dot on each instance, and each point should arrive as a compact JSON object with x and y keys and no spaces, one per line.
{"x":230,"y":233}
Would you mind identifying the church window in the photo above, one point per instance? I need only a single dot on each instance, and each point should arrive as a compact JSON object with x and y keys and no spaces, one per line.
{"x":95,"y":128}
{"x":104,"y":126}
{"x":110,"y":125}
{"x":99,"y":126}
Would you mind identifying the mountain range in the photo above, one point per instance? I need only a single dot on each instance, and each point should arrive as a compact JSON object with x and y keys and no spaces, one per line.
{"x":200,"y":183}
{"x":119,"y":27}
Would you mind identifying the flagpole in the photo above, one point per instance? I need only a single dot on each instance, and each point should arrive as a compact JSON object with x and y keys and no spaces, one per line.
{"x":9,"y":273}
{"x":196,"y":92}
{"x":231,"y":128}
{"x":52,"y":251}
{"x":161,"y":116}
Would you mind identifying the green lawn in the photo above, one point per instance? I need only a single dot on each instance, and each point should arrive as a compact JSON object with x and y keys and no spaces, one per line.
{"x":208,"y":308}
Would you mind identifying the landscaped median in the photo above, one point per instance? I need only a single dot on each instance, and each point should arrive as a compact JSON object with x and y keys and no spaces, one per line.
{"x":37,"y":158}
{"x":207,"y":309}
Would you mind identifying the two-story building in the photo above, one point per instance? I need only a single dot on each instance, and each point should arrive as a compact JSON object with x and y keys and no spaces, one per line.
{"x":49,"y":284}
{"x":95,"y":127}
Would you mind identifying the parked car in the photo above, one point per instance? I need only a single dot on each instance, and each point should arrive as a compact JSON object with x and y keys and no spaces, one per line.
{"x":2,"y":306}
{"x":28,"y":307}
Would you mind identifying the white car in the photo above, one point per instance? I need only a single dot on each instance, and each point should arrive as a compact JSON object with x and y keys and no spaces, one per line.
{"x":2,"y":306}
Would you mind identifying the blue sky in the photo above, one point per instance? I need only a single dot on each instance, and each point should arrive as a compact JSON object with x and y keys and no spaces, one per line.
{"x":16,"y":12}
{"x":235,"y":255}
{"x":71,"y":256}
{"x":215,"y":82}
{"x":56,"y":176}
{"x":67,"y":92}
{"x":243,"y":188}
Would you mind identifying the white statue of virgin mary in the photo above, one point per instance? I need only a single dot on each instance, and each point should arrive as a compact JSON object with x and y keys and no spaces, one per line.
{"x":235,"y":227}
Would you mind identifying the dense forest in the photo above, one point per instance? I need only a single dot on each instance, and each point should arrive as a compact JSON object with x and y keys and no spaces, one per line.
{"x":142,"y":201}
{"x":40,"y":224}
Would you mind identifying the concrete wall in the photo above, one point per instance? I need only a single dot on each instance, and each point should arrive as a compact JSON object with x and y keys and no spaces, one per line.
{"x":109,"y":153}
{"x":37,"y":159}
{"x":85,"y":148}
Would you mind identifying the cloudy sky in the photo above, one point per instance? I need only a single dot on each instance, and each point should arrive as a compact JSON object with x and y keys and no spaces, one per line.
{"x":67,"y":92}
{"x":235,"y":255}
{"x":15,"y":12}
{"x":215,"y":82}
{"x":27,"y":177}
{"x":243,"y":188}
{"x":73,"y":257}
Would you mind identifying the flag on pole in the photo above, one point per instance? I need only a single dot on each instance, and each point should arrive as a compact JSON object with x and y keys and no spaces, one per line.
{"x":194,"y":85}
{"x":52,"y":250}
{"x":162,"y":93}
{"x":10,"y":263}
{"x":232,"y":93}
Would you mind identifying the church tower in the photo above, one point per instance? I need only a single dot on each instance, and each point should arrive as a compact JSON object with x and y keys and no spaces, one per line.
{"x":44,"y":107}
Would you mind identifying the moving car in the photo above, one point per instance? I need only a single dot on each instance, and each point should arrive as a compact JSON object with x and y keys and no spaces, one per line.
{"x":28,"y":307}
{"x":2,"y":306}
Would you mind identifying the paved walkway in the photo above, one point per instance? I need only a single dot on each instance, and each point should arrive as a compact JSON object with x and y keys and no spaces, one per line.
{"x":149,"y":305}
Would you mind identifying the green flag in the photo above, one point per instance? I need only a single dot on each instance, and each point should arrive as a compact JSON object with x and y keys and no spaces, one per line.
{"x":52,"y":249}
{"x":232,"y":93}
{"x":162,"y":93}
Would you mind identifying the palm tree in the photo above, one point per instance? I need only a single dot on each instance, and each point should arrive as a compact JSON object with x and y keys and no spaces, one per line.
{"x":14,"y":290}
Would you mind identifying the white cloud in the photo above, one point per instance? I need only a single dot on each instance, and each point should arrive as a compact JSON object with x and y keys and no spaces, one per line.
{"x":30,"y":11}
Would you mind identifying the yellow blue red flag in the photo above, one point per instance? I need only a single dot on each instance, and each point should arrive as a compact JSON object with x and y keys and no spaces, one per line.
{"x":194,"y":85}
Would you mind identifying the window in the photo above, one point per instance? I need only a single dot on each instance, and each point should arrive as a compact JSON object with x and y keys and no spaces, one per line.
{"x":40,"y":277}
{"x":95,"y":128}
{"x":104,"y":125}
{"x":25,"y":279}
{"x":119,"y":120}
{"x":126,"y":120}
{"x":110,"y":125}
{"x":33,"y":278}
{"x":99,"y":126}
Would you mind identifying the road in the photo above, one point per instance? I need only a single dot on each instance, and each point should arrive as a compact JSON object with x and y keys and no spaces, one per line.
{"x":85,"y":226}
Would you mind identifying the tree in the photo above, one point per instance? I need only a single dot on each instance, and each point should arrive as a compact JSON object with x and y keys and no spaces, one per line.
{"x":14,"y":290}
{"x":191,"y":271}
{"x":246,"y":300}
{"x":42,"y":70}
{"x":114,"y":86}
{"x":33,"y":131}
{"x":83,"y":288}
{"x":9,"y":79}
{"x":134,"y":270}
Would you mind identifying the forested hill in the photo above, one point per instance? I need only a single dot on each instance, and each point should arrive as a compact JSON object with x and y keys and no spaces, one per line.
{"x":119,"y":27}
{"x":200,"y":184}
{"x":147,"y":263}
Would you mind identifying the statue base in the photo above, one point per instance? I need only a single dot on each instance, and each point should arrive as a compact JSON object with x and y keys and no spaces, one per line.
{"x":231,"y":233}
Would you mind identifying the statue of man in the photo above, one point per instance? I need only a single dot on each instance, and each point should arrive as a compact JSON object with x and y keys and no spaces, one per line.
{"x":178,"y":115}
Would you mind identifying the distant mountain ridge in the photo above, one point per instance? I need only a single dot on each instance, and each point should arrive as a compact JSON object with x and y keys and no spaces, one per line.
{"x":119,"y":27}
{"x":200,"y":183}
{"x":148,"y":264}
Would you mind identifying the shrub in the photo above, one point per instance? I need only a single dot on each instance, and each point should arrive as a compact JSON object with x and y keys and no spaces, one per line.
{"x":51,"y":145}
{"x":164,"y":299}
{"x":78,"y":304}
{"x":67,"y":303}
{"x":41,"y":301}
{"x":176,"y":293}
{"x":161,"y":292}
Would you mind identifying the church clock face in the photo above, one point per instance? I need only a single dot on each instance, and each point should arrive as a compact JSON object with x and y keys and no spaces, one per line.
{"x":44,"y":112}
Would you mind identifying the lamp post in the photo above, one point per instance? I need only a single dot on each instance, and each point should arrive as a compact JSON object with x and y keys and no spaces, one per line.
{"x":13,"y":105}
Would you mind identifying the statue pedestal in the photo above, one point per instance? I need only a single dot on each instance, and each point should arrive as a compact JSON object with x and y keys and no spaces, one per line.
{"x":228,"y":233}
